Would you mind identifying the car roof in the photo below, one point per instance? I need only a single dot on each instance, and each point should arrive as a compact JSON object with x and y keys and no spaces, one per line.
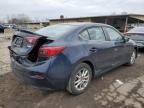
{"x":137,"y":30}
{"x":85,"y":24}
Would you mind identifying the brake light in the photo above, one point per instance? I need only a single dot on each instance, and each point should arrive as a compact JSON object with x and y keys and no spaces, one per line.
{"x":50,"y":51}
{"x":31,"y":40}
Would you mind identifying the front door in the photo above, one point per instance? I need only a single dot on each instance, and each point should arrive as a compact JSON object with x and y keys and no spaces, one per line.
{"x":119,"y":45}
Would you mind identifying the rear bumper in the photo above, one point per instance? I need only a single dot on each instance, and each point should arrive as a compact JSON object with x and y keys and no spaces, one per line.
{"x":40,"y":84}
{"x":25,"y":75}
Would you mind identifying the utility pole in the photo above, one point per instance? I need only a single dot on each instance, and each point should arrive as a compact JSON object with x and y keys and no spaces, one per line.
{"x":106,"y":20}
{"x":126,"y":23}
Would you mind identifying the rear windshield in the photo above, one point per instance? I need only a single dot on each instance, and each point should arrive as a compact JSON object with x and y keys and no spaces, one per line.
{"x":56,"y":31}
{"x":137,"y":37}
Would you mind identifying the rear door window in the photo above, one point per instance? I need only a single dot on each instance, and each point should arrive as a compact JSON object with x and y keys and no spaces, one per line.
{"x":84,"y":35}
{"x":96,"y":33}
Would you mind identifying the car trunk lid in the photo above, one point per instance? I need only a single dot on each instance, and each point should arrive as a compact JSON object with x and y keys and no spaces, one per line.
{"x":25,"y":45}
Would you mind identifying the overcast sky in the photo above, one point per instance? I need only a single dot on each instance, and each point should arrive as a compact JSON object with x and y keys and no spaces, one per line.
{"x":42,"y":9}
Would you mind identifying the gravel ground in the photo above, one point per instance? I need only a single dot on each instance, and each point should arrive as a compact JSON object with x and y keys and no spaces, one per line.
{"x":121,"y":88}
{"x":4,"y":56}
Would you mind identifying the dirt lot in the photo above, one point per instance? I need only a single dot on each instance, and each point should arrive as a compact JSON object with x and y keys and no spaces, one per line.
{"x":120,"y":88}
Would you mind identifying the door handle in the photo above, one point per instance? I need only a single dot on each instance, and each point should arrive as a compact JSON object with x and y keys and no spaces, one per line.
{"x":93,"y":49}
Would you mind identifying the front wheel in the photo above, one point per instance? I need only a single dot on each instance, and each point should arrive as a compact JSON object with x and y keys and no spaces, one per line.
{"x":80,"y":79}
{"x":132,"y":58}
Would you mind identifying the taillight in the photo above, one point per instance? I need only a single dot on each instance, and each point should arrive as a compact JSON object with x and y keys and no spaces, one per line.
{"x":31,"y":40}
{"x":50,"y":51}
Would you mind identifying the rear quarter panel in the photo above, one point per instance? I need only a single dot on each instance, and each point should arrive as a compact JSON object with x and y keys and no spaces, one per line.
{"x":64,"y":64}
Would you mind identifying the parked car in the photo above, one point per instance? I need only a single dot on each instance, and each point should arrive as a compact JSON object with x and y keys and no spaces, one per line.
{"x":13,"y":26}
{"x":69,"y":55}
{"x":137,"y":34}
{"x":2,"y":28}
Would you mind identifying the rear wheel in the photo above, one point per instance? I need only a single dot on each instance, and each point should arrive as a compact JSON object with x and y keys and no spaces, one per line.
{"x":132,"y":58}
{"x":80,"y":79}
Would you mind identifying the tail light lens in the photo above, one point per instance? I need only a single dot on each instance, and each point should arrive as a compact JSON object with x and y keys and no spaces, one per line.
{"x":50,"y":51}
{"x":31,"y":40}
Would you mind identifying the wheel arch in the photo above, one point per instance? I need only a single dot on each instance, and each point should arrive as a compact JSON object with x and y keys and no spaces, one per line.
{"x":91,"y":66}
{"x":136,"y":49}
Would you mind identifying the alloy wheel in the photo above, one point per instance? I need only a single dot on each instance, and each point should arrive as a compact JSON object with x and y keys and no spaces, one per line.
{"x":81,"y":79}
{"x":133,"y":57}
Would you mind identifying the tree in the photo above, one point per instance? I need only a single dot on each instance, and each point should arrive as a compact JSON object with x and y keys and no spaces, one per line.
{"x":19,"y":19}
{"x":124,"y":13}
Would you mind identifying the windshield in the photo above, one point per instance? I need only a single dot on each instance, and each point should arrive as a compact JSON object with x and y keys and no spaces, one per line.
{"x":56,"y":31}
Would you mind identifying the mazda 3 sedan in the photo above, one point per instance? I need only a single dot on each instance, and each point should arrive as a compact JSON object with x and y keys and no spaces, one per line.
{"x":69,"y":55}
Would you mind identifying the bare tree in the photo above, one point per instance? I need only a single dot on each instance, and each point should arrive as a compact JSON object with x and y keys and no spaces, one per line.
{"x":124,"y":13}
{"x":113,"y":13}
{"x":18,"y":19}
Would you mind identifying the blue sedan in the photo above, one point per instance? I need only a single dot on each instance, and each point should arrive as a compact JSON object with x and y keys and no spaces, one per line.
{"x":69,"y":55}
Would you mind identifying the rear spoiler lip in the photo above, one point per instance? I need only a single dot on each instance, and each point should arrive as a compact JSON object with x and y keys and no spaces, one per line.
{"x":33,"y":33}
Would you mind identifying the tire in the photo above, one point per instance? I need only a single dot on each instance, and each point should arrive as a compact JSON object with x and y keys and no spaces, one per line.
{"x":132,"y":58}
{"x":80,"y":79}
